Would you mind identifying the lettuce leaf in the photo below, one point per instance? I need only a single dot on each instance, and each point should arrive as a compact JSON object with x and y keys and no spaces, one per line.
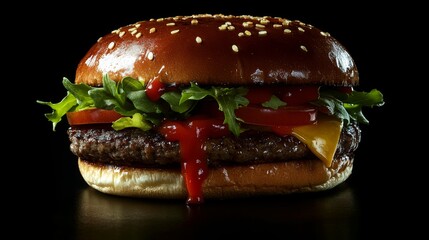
{"x":274,"y":103}
{"x":348,"y":107}
{"x":59,"y":109}
{"x":228,"y":99}
{"x":128,"y":97}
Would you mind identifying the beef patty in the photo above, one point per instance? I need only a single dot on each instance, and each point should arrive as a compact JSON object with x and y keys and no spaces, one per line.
{"x":133,"y":147}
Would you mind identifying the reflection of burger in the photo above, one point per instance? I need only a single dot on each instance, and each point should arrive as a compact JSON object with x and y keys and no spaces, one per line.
{"x":214,"y":106}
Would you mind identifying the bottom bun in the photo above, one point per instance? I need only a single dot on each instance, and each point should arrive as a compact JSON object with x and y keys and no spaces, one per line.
{"x":222,"y":182}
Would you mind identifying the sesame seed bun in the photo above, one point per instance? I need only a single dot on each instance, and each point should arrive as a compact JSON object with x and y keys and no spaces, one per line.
{"x":219,"y":49}
{"x":307,"y":175}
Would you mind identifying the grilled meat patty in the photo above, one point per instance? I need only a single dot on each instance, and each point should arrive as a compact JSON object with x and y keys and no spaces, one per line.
{"x":132,"y":147}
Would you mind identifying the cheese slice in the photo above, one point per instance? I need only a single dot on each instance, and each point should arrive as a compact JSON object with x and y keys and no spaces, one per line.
{"x":321,"y":138}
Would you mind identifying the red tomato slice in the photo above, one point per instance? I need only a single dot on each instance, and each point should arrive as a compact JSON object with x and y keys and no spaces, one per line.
{"x":259,"y":95}
{"x":92,"y":116}
{"x":292,"y":95}
{"x":283,"y":116}
{"x":297,"y":95}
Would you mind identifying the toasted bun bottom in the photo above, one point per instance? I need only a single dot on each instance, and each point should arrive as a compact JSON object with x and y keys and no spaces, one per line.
{"x":222,"y":182}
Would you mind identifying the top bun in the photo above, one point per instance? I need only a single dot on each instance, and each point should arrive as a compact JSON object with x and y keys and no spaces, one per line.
{"x":219,"y":50}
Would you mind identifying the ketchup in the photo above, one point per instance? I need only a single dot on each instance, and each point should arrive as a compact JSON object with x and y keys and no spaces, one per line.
{"x":155,"y":88}
{"x":191,"y":135}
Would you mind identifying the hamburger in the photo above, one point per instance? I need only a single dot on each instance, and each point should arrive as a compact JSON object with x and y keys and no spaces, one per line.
{"x":214,"y":106}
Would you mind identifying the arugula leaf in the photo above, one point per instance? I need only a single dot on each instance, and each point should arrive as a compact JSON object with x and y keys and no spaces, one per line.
{"x":195,"y":93}
{"x":173,"y":99}
{"x":334,"y":106}
{"x":367,"y":99}
{"x":355,"y":112}
{"x":348,"y":107}
{"x":141,"y":102}
{"x":128,"y":97}
{"x":137,"y":121}
{"x":80,"y":92}
{"x":110,"y":96}
{"x":274,"y":102}
{"x":228,"y":99}
{"x":59,"y":109}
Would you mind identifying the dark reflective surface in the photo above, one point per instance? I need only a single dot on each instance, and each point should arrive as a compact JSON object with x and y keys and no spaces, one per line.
{"x":93,"y":215}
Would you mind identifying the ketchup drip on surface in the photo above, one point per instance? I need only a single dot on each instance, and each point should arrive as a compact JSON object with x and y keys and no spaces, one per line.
{"x":191,"y":135}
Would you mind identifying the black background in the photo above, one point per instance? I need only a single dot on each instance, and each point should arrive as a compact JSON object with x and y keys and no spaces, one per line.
{"x":54,"y":202}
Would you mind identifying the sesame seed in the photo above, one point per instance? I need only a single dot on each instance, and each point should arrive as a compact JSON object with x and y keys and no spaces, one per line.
{"x":264,"y":21}
{"x":248,"y":33}
{"x":259,"y":26}
{"x":150,"y":56}
{"x":152,"y":30}
{"x":160,"y":19}
{"x":137,"y":25}
{"x":248,"y":24}
{"x":301,"y":29}
{"x":231,"y":28}
{"x":132,"y":29}
{"x":99,"y":39}
{"x":286,"y":22}
{"x":222,"y":27}
{"x":111,"y":45}
{"x":235,"y":48}
{"x":175,"y":31}
{"x":194,"y":21}
{"x":138,"y":34}
{"x":170,"y":24}
{"x":303,"y":48}
{"x":241,"y":34}
{"x":325,"y":34}
{"x":121,"y":34}
{"x":198,"y":40}
{"x":134,"y":32}
{"x":287,"y":30}
{"x":262,"y":33}
{"x":277,"y":25}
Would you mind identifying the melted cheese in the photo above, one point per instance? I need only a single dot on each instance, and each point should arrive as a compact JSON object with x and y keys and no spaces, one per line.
{"x":321,"y":138}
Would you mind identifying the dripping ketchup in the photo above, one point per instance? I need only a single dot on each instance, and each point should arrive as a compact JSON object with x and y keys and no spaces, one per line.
{"x":191,"y":135}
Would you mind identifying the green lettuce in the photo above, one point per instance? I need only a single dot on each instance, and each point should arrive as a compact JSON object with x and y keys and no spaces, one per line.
{"x":348,"y":106}
{"x":128,"y":97}
{"x":228,"y":99}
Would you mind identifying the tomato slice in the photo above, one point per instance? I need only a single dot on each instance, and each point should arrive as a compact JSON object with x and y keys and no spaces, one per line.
{"x":297,"y":95}
{"x":92,"y":116}
{"x":259,"y":95}
{"x":292,"y":95}
{"x":283,"y":116}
